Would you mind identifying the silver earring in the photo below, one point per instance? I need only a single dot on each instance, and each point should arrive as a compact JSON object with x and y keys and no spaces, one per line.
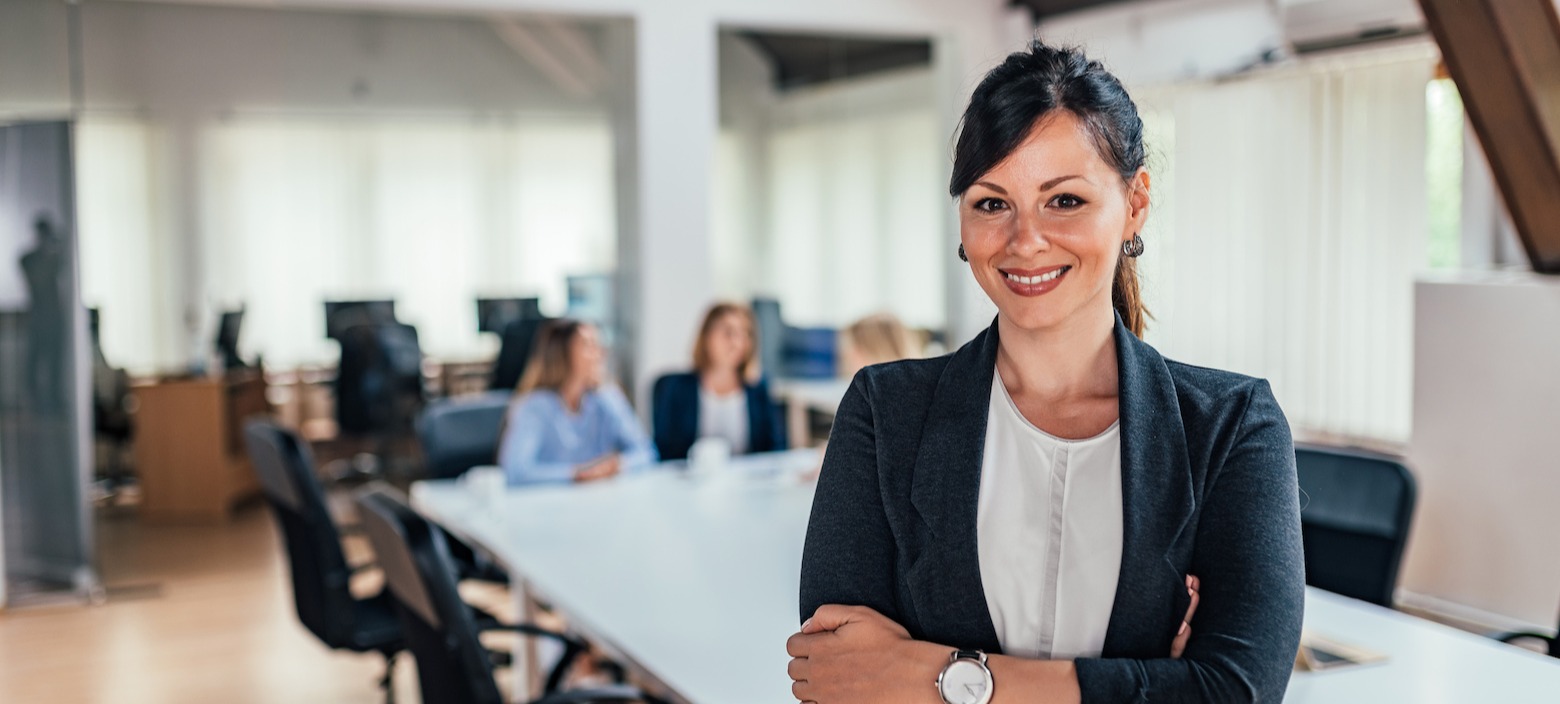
{"x":1132,"y":247}
{"x":962,"y":255}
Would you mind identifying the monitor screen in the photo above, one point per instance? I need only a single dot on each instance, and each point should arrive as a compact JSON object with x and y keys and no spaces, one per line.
{"x":340,"y":315}
{"x":229,"y":325}
{"x":495,"y":313}
{"x":771,"y":334}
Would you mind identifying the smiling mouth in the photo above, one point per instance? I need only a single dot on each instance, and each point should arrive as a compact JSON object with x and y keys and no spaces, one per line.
{"x":1051,"y":275}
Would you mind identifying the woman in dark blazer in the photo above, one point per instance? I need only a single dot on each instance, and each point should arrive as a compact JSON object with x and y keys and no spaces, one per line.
{"x":1202,"y":545}
{"x":723,"y":387}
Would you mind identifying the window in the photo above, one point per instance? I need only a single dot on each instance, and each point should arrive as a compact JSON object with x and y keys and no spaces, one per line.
{"x":293,"y":210}
{"x":1443,"y":172}
{"x":1290,"y":219}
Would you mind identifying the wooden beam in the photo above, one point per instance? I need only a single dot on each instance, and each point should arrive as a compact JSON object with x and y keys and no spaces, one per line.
{"x":1504,"y":56}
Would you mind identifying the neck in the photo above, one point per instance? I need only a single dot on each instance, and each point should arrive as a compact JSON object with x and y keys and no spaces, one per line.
{"x":1073,"y":359}
{"x":572,"y":392}
{"x":720,"y":379}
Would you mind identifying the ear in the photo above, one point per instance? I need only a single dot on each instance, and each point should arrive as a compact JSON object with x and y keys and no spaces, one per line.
{"x":1138,"y":200}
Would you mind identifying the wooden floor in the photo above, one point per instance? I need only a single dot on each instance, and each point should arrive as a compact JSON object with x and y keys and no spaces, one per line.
{"x":195,"y":614}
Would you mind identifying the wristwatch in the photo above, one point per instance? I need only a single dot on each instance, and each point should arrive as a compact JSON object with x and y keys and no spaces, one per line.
{"x":965,"y":679}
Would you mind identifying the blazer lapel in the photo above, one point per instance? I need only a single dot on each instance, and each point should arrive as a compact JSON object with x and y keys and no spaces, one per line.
{"x":1157,"y":502}
{"x":945,"y":490}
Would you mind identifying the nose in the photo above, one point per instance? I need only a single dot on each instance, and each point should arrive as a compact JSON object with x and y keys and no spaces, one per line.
{"x":1027,"y":236}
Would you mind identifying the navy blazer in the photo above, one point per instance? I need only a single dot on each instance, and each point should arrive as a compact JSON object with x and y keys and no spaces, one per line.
{"x":675,"y":416}
{"x":1208,"y":488}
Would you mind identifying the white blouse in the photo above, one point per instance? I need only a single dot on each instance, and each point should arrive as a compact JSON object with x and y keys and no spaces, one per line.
{"x":1049,"y":532}
{"x":725,"y":417}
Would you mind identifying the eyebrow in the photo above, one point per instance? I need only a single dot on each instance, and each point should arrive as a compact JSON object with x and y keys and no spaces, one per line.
{"x":1048,"y":185}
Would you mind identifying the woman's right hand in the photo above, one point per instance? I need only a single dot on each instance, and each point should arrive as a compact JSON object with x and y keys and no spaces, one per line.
{"x":601,"y":468}
{"x":1178,"y":645}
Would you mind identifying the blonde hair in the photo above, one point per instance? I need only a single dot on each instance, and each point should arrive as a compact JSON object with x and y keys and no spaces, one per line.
{"x":749,"y":369}
{"x":881,"y":338}
{"x":550,"y":364}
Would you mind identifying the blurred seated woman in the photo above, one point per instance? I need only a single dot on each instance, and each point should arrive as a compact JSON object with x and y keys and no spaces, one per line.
{"x":565,"y":424}
{"x":876,"y":339}
{"x":723,"y":397}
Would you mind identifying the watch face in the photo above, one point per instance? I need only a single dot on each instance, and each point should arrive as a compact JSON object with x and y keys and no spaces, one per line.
{"x":965,"y":682}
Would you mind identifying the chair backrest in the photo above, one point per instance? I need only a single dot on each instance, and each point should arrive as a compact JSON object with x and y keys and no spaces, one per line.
{"x":1355,"y":514}
{"x":460,"y":433}
{"x":320,"y":575}
{"x":452,"y":664}
{"x":518,"y":340}
{"x":379,"y":379}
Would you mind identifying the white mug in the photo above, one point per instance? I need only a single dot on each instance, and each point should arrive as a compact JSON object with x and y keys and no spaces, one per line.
{"x":709,"y":455}
{"x":487,"y":483}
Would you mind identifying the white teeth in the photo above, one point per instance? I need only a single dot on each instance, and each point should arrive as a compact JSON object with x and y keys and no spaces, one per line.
{"x":1032,"y":280}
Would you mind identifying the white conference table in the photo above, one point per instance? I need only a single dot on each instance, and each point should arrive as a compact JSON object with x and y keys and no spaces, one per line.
{"x":693,"y":581}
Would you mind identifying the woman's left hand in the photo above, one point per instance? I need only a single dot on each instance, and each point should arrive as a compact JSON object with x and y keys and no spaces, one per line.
{"x":855,"y":655}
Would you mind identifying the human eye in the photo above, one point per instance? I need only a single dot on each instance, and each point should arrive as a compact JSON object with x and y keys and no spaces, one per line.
{"x":990,"y":205}
{"x":1067,"y":201}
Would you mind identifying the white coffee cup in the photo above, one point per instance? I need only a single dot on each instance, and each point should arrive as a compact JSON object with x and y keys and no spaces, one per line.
{"x":709,"y":455}
{"x":486,"y":483}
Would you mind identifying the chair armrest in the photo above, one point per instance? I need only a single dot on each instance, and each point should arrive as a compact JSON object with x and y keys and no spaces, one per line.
{"x":621,"y":694}
{"x":532,"y":630}
{"x":1508,"y":637}
{"x":572,"y":645}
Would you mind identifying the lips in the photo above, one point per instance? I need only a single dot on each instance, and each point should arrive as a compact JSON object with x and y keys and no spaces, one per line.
{"x":1034,"y":282}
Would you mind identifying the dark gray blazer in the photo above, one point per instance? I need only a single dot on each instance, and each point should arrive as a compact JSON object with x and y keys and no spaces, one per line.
{"x":1208,"y":488}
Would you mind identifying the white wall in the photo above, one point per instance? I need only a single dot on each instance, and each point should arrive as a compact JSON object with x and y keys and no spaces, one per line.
{"x":1484,"y":449}
{"x":34,"y":60}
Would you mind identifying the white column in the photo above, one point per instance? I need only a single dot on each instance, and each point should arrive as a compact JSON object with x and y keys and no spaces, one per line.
{"x":671,"y":282}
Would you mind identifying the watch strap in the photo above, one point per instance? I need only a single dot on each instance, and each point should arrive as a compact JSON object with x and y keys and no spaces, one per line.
{"x":975,"y":655}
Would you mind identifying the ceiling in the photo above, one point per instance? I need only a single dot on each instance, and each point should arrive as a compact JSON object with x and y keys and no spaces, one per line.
{"x":1046,"y":8}
{"x":811,"y":59}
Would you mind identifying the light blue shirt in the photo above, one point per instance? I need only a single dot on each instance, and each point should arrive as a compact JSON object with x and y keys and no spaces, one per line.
{"x":545,"y":442}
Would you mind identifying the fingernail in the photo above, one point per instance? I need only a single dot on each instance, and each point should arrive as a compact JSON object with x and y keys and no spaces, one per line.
{"x":1182,"y":632}
{"x":806,"y":623}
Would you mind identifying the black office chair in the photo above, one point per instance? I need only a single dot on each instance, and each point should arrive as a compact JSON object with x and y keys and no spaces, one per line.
{"x":320,"y":574}
{"x":1551,"y":643}
{"x":460,"y":433}
{"x":1355,"y":511}
{"x":441,"y":629}
{"x":112,"y":423}
{"x":379,"y":390}
{"x":518,"y":340}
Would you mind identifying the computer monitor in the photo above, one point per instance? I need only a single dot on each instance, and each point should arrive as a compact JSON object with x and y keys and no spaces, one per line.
{"x":771,"y":334}
{"x":229,"y":325}
{"x":340,"y":315}
{"x":495,"y":313}
{"x":591,"y":299}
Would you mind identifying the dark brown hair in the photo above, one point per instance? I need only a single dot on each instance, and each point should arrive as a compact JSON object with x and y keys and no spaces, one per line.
{"x":550,"y":364}
{"x":1025,"y":88}
{"x":701,"y":347}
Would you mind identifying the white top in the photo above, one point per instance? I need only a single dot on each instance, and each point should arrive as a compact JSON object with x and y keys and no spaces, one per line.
{"x":1049,"y":527}
{"x":724,"y":417}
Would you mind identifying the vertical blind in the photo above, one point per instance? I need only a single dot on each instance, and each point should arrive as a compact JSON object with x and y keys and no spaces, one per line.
{"x":1290,"y":222}
{"x":292,"y":211}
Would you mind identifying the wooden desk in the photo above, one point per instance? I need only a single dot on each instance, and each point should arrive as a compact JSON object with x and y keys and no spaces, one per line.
{"x":189,"y":446}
